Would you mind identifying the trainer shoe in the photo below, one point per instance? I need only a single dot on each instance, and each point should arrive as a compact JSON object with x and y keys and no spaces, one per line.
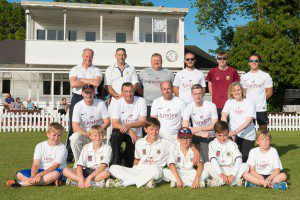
{"x":71,"y":182}
{"x":214,"y":183}
{"x":119,"y":183}
{"x":249,"y":184}
{"x":12,"y":183}
{"x":239,"y":182}
{"x":202,"y":184}
{"x":100,"y":184}
{"x":280,"y":186}
{"x":151,"y":184}
{"x":110,"y":183}
{"x":173,"y":184}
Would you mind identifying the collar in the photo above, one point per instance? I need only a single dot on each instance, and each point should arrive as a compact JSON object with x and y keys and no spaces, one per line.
{"x":91,"y":147}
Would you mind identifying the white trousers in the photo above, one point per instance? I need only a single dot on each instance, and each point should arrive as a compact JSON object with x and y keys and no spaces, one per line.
{"x":138,"y":174}
{"x":77,"y":141}
{"x":227,"y":171}
{"x":110,"y":128}
{"x":187,"y":176}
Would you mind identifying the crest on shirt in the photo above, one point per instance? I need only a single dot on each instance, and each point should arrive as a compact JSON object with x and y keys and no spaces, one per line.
{"x":127,"y":72}
{"x":228,"y":154}
{"x":218,"y":153}
{"x":217,"y":78}
{"x":90,"y":158}
{"x":227,"y":78}
{"x":101,"y":157}
{"x":158,"y":151}
{"x":144,"y":151}
{"x":178,"y":159}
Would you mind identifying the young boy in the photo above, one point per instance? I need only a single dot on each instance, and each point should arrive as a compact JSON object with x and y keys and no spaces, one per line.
{"x":48,"y":162}
{"x":92,"y":166}
{"x":151,"y":155}
{"x":180,"y":160}
{"x":265,"y":165}
{"x":225,"y":166}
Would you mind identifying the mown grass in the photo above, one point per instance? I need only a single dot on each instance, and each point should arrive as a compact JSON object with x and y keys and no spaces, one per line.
{"x":16,"y":152}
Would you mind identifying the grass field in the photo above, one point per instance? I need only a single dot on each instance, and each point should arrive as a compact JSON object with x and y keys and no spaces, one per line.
{"x":16,"y":152}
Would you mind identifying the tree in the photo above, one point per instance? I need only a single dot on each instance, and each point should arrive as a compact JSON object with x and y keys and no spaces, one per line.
{"x":12,"y":20}
{"x":116,"y":2}
{"x":224,"y":41}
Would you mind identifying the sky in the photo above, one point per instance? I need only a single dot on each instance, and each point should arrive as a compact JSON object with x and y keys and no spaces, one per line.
{"x":206,"y":40}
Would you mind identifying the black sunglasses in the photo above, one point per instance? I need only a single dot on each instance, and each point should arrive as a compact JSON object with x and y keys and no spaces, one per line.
{"x":190,"y":59}
{"x":222,"y":58}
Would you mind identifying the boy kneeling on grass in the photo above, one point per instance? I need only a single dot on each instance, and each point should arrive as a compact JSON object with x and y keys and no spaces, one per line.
{"x":151,"y":155}
{"x":48,"y":162}
{"x":92,"y":166}
{"x":180,"y":160}
{"x":265,"y":165}
{"x":225,"y":166}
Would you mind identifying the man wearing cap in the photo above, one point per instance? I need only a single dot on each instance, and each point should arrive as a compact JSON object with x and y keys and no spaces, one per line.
{"x":87,"y":112}
{"x":81,"y":75}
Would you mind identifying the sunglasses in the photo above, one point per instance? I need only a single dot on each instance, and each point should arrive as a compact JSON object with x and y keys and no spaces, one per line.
{"x":190,"y":59}
{"x":254,"y":61}
{"x":185,"y":131}
{"x":222,"y":58}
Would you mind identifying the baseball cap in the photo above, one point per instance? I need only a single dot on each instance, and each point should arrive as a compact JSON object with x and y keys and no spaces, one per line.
{"x":88,"y":88}
{"x":185,"y":132}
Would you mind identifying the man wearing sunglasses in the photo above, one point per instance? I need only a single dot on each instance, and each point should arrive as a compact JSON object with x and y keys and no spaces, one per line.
{"x":186,"y":78}
{"x":219,"y":79}
{"x":258,"y":86}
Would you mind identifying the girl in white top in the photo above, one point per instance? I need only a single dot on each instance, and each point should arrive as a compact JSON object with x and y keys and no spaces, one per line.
{"x":241,"y":113}
{"x":264,"y":163}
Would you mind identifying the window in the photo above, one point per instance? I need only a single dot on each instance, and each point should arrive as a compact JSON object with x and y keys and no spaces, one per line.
{"x":60,"y":35}
{"x":47,"y":87}
{"x":145,"y":29}
{"x":90,"y":36}
{"x":5,"y":86}
{"x":40,"y":34}
{"x":56,"y":87}
{"x":121,"y":37}
{"x":172,"y":30}
{"x":51,"y":34}
{"x":61,"y":84}
{"x":72,"y":35}
{"x":66,"y":88}
{"x":159,"y":37}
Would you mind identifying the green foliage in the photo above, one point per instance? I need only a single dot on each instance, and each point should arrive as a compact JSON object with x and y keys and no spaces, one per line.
{"x":116,"y":2}
{"x":12,"y":20}
{"x":224,"y":41}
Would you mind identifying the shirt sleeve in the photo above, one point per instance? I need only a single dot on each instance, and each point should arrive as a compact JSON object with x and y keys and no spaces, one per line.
{"x":276,"y":160}
{"x":154,"y":110}
{"x":214,"y":113}
{"x":209,"y":76}
{"x":236,"y":152}
{"x":82,"y":160}
{"x":108,"y":80}
{"x":38,"y":152}
{"x":171,"y":158}
{"x":98,"y":72}
{"x":104,"y":111}
{"x":182,"y":108}
{"x":251,"y":112}
{"x":76,"y":113}
{"x":136,"y":151}
{"x":243,"y":81}
{"x":226,"y":108}
{"x":140,"y":78}
{"x":73,"y":73}
{"x":269,"y":82}
{"x":211,"y":151}
{"x":171,"y":77}
{"x":115,"y":111}
{"x":176,"y":81}
{"x":236,"y":77}
{"x":143,"y":111}
{"x":187,"y":113}
{"x":135,"y":78}
{"x":106,"y":159}
{"x":251,"y":158}
{"x":61,"y":154}
{"x":202,"y":80}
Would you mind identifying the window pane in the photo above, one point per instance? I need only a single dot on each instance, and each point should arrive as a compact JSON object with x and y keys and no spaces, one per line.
{"x":72,"y":35}
{"x":51,"y":34}
{"x":121,"y":37}
{"x":66,"y":88}
{"x":90,"y":36}
{"x":172,"y":30}
{"x":5,"y":86}
{"x":46,"y":87}
{"x":56,"y":87}
{"x":159,"y":37}
{"x":145,"y":29}
{"x":60,"y":35}
{"x":40,"y":34}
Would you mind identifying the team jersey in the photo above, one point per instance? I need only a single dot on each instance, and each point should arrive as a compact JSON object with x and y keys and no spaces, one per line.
{"x":89,"y":158}
{"x":129,"y":113}
{"x":80,"y":72}
{"x":225,"y":154}
{"x":89,"y":115}
{"x":264,"y":163}
{"x":256,"y":84}
{"x":201,"y":116}
{"x":152,"y":154}
{"x":114,"y":77}
{"x":48,"y":155}
{"x":238,"y":114}
{"x":185,"y":79}
{"x":169,"y":113}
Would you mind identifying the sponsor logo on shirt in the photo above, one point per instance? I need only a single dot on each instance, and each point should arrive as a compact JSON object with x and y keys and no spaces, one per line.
{"x":203,"y":121}
{"x":217,"y":78}
{"x":90,"y":158}
{"x":144,"y":151}
{"x":158,"y":151}
{"x":227,"y":78}
{"x":155,"y":83}
{"x":188,"y":84}
{"x":262,"y":165}
{"x":238,"y":111}
{"x":92,"y":121}
{"x":168,"y":115}
{"x":129,"y":119}
{"x":48,"y":159}
{"x":218,"y":153}
{"x":252,"y":85}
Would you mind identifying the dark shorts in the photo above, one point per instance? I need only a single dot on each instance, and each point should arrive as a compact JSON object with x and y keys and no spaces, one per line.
{"x":27,"y":172}
{"x":262,"y":118}
{"x":265,"y":176}
{"x":86,"y":172}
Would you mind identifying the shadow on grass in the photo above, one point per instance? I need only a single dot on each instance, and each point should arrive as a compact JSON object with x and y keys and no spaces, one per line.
{"x":284,"y":149}
{"x":288,"y":176}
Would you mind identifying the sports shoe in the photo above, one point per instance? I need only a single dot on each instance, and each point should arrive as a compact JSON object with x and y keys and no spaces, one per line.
{"x":151,"y":184}
{"x":202,"y":184}
{"x":173,"y":184}
{"x":71,"y":182}
{"x":239,"y":182}
{"x":57,"y":183}
{"x":99,"y":184}
{"x":119,"y":183}
{"x":12,"y":183}
{"x":280,"y":186}
{"x":214,"y":183}
{"x":249,"y":184}
{"x":110,"y":183}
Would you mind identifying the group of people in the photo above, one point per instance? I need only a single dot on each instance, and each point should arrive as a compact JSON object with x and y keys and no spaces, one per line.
{"x":168,"y":123}
{"x":11,"y":104}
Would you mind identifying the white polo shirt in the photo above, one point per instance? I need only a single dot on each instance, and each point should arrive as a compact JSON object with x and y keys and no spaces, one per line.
{"x":48,"y":155}
{"x":169,"y":113}
{"x":152,"y":154}
{"x":89,"y":158}
{"x":201,"y":116}
{"x":114,"y":77}
{"x":185,"y":79}
{"x":225,"y":154}
{"x":256,"y":84}
{"x":264,"y":163}
{"x":129,"y":113}
{"x":87,"y":116}
{"x":238,"y":114}
{"x":80,"y":72}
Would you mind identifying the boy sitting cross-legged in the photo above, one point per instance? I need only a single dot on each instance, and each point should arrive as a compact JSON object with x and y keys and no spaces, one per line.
{"x":151,"y":155}
{"x":180,"y":160}
{"x":225,"y":166}
{"x":48,"y":161}
{"x":265,"y":165}
{"x":92,"y":166}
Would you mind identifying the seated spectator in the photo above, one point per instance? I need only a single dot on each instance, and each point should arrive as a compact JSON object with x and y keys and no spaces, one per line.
{"x":29,"y":105}
{"x":17,"y":105}
{"x":8,"y":104}
{"x":62,"y":108}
